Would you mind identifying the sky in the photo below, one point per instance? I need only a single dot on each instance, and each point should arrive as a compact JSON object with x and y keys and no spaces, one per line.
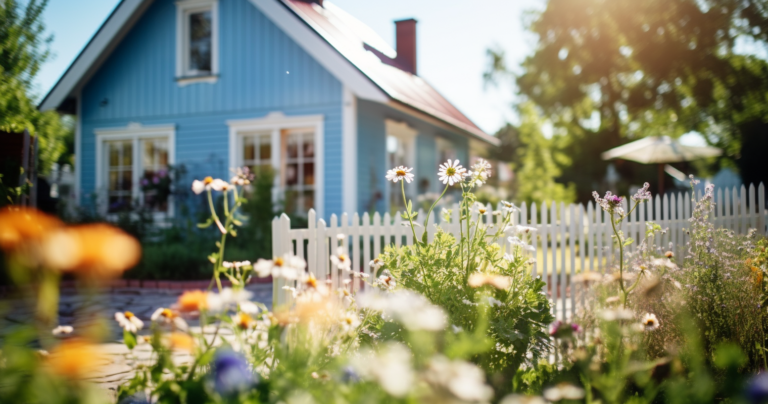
{"x":452,"y":39}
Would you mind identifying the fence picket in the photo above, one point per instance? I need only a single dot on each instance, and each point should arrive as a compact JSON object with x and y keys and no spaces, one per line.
{"x":561,"y":230}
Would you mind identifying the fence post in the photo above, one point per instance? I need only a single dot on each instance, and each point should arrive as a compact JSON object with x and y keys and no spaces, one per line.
{"x":281,"y":244}
{"x":761,"y":210}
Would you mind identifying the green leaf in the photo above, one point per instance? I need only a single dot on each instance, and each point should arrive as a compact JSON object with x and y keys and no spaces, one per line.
{"x":237,"y":222}
{"x":628,"y":241}
{"x":129,"y":339}
{"x":207,"y":357}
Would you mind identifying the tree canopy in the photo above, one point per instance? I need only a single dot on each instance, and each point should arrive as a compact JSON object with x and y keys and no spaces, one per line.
{"x":605,"y":72}
{"x":23,"y":49}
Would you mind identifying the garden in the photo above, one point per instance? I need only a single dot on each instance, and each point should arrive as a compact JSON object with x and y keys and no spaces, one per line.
{"x":451,"y":320}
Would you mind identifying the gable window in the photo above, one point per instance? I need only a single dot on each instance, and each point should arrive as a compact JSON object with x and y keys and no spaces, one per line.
{"x":197,"y":41}
{"x":290,"y":146}
{"x":133,"y":169}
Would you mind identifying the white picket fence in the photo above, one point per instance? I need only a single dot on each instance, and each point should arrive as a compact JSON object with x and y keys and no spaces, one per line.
{"x":569,"y":238}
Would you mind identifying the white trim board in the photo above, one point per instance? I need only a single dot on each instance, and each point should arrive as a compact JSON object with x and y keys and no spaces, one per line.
{"x":349,"y":150}
{"x":321,"y":51}
{"x":138,"y":132}
{"x":273,"y":123}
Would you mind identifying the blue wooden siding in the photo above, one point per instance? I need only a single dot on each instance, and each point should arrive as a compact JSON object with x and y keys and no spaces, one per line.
{"x":372,"y":154}
{"x":260,"y":70}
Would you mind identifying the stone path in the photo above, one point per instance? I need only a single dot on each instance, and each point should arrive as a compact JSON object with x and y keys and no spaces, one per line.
{"x":77,"y":309}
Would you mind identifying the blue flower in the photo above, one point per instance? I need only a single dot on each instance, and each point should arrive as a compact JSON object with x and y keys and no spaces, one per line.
{"x":757,"y":389}
{"x":231,"y":373}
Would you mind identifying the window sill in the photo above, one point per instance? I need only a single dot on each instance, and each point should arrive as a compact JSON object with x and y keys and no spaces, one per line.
{"x":185,"y":81}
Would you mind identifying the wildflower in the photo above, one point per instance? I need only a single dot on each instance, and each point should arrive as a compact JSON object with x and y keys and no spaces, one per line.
{"x":288,"y":266}
{"x":243,"y":176}
{"x":391,"y":368}
{"x":451,"y":172}
{"x":610,"y":203}
{"x":400,"y":173}
{"x":249,"y":308}
{"x":74,"y":359}
{"x":564,"y":391}
{"x":192,"y":301}
{"x":481,"y":168}
{"x":128,"y":321}
{"x":480,"y":209}
{"x":462,"y":379}
{"x":376,"y":264}
{"x":91,"y":250}
{"x":669,"y":254}
{"x":231,"y":373}
{"x":217,"y":302}
{"x":243,"y":321}
{"x":168,"y":316}
{"x":199,"y":186}
{"x":386,"y":281}
{"x":650,"y":322}
{"x":693,"y":180}
{"x":642,"y":194}
{"x":341,"y":260}
{"x":410,"y":309}
{"x":477,"y":280}
{"x":181,"y":341}
{"x":508,"y":207}
{"x":21,"y":225}
{"x":62,"y":330}
{"x":350,"y":321}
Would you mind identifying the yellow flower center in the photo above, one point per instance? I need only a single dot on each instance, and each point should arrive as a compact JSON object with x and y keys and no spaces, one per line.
{"x":342,"y":257}
{"x":348,"y":320}
{"x":311,"y":282}
{"x":400,"y":173}
{"x":279,"y":262}
{"x":167,"y":313}
{"x":482,"y":211}
{"x":129,"y":315}
{"x":207,"y":180}
{"x":649,"y":322}
{"x":244,"y":321}
{"x":450,"y":171}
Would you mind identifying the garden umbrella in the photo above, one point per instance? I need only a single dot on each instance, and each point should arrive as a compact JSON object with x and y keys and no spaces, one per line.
{"x":660,"y":150}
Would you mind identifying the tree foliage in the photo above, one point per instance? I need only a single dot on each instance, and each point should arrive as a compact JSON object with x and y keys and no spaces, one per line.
{"x":23,"y":49}
{"x":609,"y":71}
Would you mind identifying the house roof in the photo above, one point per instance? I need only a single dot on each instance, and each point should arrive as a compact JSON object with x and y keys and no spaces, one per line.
{"x":375,"y":58}
{"x":349,"y":49}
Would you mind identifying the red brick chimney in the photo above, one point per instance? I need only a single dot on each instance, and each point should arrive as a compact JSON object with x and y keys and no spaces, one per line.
{"x":405,"y":37}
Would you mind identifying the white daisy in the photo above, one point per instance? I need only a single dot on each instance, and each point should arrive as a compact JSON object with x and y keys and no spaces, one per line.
{"x":451,"y":172}
{"x":288,"y":266}
{"x":128,"y":321}
{"x":204,"y":185}
{"x":341,"y":260}
{"x":400,"y":173}
{"x":376,"y":264}
{"x":62,"y":330}
{"x":650,"y":322}
{"x":168,"y":316}
{"x":350,"y":321}
{"x":482,"y":167}
{"x":480,"y":209}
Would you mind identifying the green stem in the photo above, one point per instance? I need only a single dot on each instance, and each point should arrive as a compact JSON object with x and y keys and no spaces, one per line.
{"x":410,"y":215}
{"x":621,"y":263}
{"x":429,"y":212}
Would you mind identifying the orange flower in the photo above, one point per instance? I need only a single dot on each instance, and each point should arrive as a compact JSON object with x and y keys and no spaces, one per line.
{"x":98,"y":250}
{"x":758,"y":273}
{"x":193,"y":300}
{"x":74,"y":359}
{"x":181,"y":341}
{"x":21,"y":225}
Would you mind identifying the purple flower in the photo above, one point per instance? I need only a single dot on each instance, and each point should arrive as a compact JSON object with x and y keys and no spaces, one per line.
{"x":610,"y":203}
{"x":162,"y":173}
{"x":642,"y":194}
{"x":757,"y":388}
{"x":144,"y":182}
{"x":231,"y":373}
{"x":155,"y":180}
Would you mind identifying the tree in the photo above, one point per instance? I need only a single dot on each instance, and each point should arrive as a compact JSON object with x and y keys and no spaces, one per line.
{"x":23,"y":49}
{"x":608,"y":71}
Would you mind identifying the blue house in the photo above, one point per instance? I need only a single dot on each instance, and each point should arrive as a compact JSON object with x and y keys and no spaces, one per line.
{"x":300,"y":86}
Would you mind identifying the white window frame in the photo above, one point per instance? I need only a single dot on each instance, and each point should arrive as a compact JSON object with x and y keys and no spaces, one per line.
{"x":183,"y":9}
{"x":274,"y":123}
{"x":136,"y":133}
{"x":407,"y":135}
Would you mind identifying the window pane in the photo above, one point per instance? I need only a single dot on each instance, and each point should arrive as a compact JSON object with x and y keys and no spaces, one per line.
{"x":114,"y":154}
{"x":308,"y":148}
{"x":309,"y":173}
{"x":265,"y":150}
{"x":291,"y":174}
{"x":249,"y":149}
{"x":291,"y":201}
{"x":127,"y":155}
{"x":200,"y":29}
{"x":127,"y":180}
{"x":292,"y":148}
{"x":154,"y":182}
